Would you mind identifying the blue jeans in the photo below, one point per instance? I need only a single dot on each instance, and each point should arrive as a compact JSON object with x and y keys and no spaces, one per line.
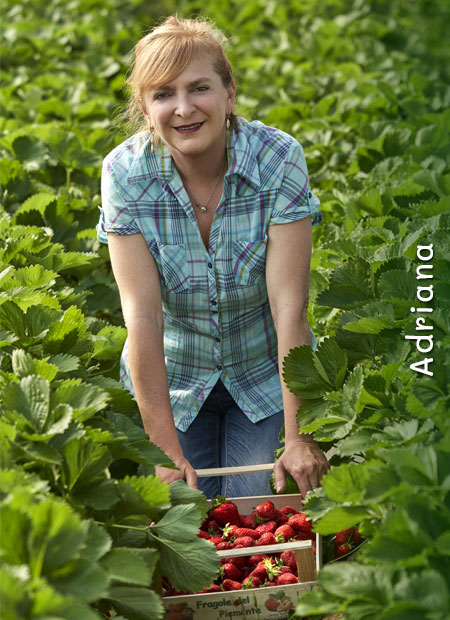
{"x":222,"y":436}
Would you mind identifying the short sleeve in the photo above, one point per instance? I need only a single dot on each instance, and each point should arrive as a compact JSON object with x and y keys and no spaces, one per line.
{"x":295,"y":199}
{"x":114,"y":214}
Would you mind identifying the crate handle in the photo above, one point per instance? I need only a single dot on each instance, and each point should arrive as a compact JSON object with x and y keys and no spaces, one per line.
{"x":230,"y":471}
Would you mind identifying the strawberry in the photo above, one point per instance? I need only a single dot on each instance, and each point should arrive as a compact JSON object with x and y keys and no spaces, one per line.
{"x":356,"y":536}
{"x":239,"y":562}
{"x":224,"y":545}
{"x":272,"y":603}
{"x":269,"y":584}
{"x":229,"y":531}
{"x":226,"y":512}
{"x":249,"y":521}
{"x":244,"y":541}
{"x":229,"y":584}
{"x":253,"y":560}
{"x":300,"y":522}
{"x":285,"y":569}
{"x":217,"y":539}
{"x":213,"y":588}
{"x":285,"y":578}
{"x":202,"y":534}
{"x":260,"y":572}
{"x":246,"y":531}
{"x":252,"y":581}
{"x":230,"y":571}
{"x":280,"y":518}
{"x":284,"y":533}
{"x":341,"y":550}
{"x":285,"y":604}
{"x":305,"y":536}
{"x":288,"y":558}
{"x":266,"y":539}
{"x":268,"y":526}
{"x":342,"y":537}
{"x":288,"y":511}
{"x":213,"y":527}
{"x":266,"y":510}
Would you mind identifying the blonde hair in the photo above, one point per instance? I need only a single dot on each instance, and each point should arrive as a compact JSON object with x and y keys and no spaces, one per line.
{"x":162,"y":54}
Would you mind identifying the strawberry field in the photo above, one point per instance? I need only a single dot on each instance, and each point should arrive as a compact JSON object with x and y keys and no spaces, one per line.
{"x":88,"y":531}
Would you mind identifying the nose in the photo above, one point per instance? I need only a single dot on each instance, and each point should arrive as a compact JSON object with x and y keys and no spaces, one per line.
{"x":184,"y":105}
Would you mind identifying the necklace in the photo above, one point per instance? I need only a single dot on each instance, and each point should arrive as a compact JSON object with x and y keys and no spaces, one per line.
{"x":204,"y":208}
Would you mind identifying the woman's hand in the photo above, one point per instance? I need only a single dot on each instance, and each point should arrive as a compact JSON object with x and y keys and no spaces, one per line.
{"x":185,"y":472}
{"x":304,"y":461}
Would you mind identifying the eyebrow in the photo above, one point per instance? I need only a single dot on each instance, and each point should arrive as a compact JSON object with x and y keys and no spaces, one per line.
{"x":190,"y":84}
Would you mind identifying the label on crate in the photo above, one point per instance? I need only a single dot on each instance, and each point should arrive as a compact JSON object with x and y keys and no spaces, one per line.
{"x":271,"y":603}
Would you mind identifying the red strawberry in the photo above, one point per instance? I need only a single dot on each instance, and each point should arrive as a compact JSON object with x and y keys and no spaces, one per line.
{"x":286,"y":570}
{"x":213,"y":588}
{"x":230,"y":571}
{"x":288,"y":558}
{"x":300,"y":522}
{"x":284,"y":533}
{"x":286,"y":578}
{"x":217,"y":539}
{"x":356,"y":536}
{"x":285,"y":604}
{"x":226,"y":512}
{"x":229,"y":584}
{"x":260,"y":572}
{"x":224,"y":545}
{"x":305,"y":536}
{"x":244,"y":541}
{"x":252,"y":581}
{"x":266,"y":510}
{"x":246,"y":531}
{"x":280,"y":518}
{"x":239,"y":562}
{"x":268,"y":526}
{"x":288,"y":511}
{"x":249,"y":521}
{"x":269,"y":584}
{"x":229,"y":531}
{"x":213,"y":527}
{"x":202,"y":534}
{"x":342,"y":537}
{"x":341,"y":550}
{"x":266,"y":539}
{"x":253,"y":560}
{"x":272,"y":603}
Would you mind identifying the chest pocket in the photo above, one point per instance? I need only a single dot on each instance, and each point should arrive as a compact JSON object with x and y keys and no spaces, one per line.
{"x":174,"y":267}
{"x":249,"y":261}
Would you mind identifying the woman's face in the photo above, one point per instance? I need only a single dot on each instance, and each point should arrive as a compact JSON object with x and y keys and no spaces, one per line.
{"x":189,"y":113}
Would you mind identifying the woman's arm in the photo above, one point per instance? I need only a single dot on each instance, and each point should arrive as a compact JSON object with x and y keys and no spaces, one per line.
{"x":287,"y":274}
{"x":137,"y":277}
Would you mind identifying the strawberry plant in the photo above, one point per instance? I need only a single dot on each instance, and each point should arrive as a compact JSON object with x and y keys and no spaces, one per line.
{"x":89,"y":530}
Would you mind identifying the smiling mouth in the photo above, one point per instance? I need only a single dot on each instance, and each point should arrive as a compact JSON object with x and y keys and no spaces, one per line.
{"x":189,"y":128}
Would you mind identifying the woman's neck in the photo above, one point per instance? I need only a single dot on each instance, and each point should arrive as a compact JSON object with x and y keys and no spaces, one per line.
{"x":205,"y":167}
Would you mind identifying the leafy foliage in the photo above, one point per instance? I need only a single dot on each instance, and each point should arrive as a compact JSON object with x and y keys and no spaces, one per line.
{"x":364,"y":86}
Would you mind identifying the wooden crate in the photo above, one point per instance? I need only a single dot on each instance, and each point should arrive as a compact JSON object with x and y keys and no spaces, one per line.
{"x":266,"y":603}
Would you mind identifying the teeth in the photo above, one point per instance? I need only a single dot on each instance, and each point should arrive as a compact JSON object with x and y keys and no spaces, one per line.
{"x":189,"y":126}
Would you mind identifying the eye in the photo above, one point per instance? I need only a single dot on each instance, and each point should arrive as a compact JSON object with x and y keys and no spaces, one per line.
{"x":202,"y":88}
{"x":162,"y":95}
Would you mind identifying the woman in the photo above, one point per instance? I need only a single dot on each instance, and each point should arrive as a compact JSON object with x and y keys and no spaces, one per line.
{"x":208,"y":219}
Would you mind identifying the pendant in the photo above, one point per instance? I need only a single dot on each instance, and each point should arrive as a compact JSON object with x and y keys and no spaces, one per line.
{"x":202,"y":208}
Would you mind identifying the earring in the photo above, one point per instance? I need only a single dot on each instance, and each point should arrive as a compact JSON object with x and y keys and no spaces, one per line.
{"x":152,"y":139}
{"x":228,"y":123}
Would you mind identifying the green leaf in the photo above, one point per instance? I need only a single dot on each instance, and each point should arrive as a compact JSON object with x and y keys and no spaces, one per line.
{"x":340,"y":518}
{"x":136,"y":603}
{"x":345,"y":483}
{"x":350,"y":286}
{"x":65,"y":362}
{"x":125,"y":566}
{"x":24,"y":365}
{"x":189,"y":566}
{"x":180,"y":493}
{"x":65,"y":334}
{"x":85,"y":462}
{"x":108,"y":342}
{"x":98,"y":542}
{"x":56,"y":535}
{"x":353,"y":581}
{"x":180,"y":523}
{"x":300,"y":374}
{"x":14,"y":528}
{"x":35,"y":276}
{"x":85,"y":399}
{"x":82,"y":579}
{"x":330,"y":362}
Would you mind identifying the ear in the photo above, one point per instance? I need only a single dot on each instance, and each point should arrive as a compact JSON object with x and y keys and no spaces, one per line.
{"x":231,"y":96}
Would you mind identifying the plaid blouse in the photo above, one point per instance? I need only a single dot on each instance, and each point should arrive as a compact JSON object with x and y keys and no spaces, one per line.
{"x":217,"y":320}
